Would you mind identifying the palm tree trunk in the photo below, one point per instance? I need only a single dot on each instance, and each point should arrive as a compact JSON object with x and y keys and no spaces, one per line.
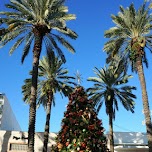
{"x":145,"y":102}
{"x":32,"y":110}
{"x":47,"y":124}
{"x":111,"y":132}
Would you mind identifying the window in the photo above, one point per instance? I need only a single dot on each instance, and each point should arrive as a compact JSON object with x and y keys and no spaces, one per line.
{"x":18,"y":147}
{"x":1,"y":96}
{"x":1,"y":110}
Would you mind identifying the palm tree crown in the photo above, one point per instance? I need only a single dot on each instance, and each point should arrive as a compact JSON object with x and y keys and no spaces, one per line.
{"x":26,"y":20}
{"x":110,"y":87}
{"x":132,"y":31}
{"x":53,"y":78}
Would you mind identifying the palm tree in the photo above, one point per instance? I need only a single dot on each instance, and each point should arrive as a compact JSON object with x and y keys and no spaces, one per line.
{"x":110,"y":86}
{"x":36,"y":22}
{"x":52,"y":79}
{"x":131,"y":36}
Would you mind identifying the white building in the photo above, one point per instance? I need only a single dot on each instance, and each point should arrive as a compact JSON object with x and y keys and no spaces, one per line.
{"x":12,"y":139}
{"x":7,"y":118}
{"x":130,"y":142}
{"x":16,"y":141}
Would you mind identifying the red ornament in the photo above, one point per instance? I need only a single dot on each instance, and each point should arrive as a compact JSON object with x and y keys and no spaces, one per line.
{"x":67,"y":143}
{"x":83,"y":145}
{"x":91,"y":127}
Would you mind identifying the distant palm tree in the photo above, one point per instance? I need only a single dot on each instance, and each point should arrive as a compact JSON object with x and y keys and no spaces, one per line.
{"x":35,"y":22}
{"x":132,"y":37}
{"x":52,"y":79}
{"x":110,"y":86}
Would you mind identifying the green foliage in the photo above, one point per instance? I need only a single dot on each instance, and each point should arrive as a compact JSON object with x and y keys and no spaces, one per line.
{"x":110,"y":86}
{"x":24,"y":20}
{"x":81,"y":130}
{"x":52,"y":78}
{"x":130,"y":35}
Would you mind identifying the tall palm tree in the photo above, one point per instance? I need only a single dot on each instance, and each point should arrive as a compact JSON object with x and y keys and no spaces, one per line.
{"x":35,"y":22}
{"x":52,"y":79}
{"x":110,"y":86}
{"x":132,"y":37}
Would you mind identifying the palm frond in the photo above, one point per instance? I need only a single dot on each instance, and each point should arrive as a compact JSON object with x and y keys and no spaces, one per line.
{"x":29,"y":39}
{"x":64,"y":43}
{"x":16,"y":44}
{"x":22,"y":7}
{"x":59,"y":51}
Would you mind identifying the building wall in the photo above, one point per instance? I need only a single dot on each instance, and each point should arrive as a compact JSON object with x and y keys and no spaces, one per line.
{"x":136,"y":138}
{"x":8,"y":120}
{"x":132,"y":150}
{"x":16,"y":141}
{"x":129,"y":142}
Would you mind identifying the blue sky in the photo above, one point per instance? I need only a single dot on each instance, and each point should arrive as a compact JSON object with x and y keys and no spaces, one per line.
{"x":93,"y":18}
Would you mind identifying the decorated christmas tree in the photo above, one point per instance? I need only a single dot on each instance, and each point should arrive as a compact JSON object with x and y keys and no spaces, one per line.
{"x":81,"y":130}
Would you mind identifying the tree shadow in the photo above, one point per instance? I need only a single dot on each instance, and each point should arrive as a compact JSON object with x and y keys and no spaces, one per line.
{"x":6,"y":138}
{"x":51,"y":140}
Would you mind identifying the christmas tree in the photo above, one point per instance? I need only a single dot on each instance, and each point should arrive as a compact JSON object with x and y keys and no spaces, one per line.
{"x":81,"y":130}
